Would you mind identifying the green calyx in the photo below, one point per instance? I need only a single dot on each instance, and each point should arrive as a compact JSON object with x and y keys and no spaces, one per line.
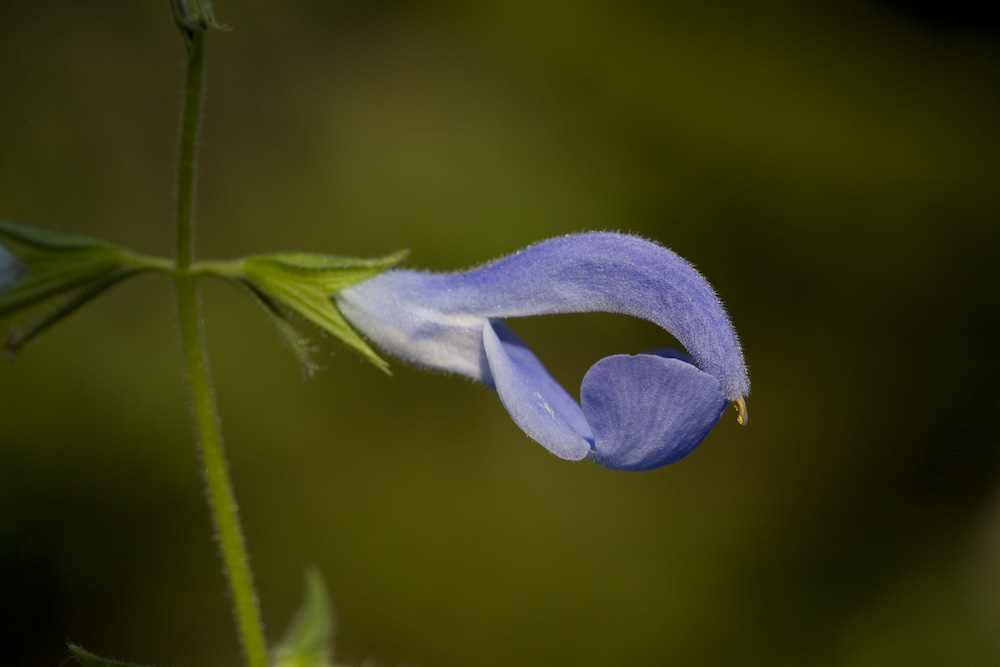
{"x":302,"y":283}
{"x":49,"y":274}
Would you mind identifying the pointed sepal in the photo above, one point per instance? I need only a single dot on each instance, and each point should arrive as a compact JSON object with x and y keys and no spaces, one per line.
{"x":41,"y":263}
{"x":49,"y":274}
{"x":308,"y":642}
{"x":293,"y":339}
{"x":88,"y":659}
{"x":303,"y":284}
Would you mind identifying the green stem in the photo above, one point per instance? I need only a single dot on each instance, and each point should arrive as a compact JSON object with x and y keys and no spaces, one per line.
{"x":188,"y":150}
{"x":219,"y":488}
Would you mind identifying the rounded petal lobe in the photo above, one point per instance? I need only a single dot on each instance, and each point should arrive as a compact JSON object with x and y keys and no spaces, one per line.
{"x":535,"y":401}
{"x":647,"y":411}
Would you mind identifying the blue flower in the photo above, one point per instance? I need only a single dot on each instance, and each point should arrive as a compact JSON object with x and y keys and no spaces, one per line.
{"x":10,"y":269}
{"x":635,"y":412}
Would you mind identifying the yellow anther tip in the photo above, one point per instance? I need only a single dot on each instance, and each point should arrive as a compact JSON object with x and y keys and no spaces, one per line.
{"x":741,"y":411}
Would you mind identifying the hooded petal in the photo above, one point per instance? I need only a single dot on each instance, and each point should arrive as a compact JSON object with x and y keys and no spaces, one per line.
{"x":647,"y":411}
{"x":436,"y":319}
{"x":536,"y":402}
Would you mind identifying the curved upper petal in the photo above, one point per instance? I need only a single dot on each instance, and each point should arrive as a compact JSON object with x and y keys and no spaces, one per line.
{"x":436,"y":319}
{"x":648,"y":410}
{"x":535,"y":401}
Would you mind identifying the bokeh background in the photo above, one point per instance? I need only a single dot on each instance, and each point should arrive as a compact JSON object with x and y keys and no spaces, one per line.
{"x":832,"y":167}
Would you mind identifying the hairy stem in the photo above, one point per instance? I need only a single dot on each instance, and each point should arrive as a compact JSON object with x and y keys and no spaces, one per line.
{"x":219,"y":489}
{"x":187,"y":153}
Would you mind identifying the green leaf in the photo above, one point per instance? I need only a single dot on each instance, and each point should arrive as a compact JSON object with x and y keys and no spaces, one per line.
{"x":88,"y":659}
{"x":308,"y":642}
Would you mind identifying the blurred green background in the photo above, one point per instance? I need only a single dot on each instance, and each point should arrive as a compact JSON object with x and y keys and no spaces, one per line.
{"x":831,"y":167}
